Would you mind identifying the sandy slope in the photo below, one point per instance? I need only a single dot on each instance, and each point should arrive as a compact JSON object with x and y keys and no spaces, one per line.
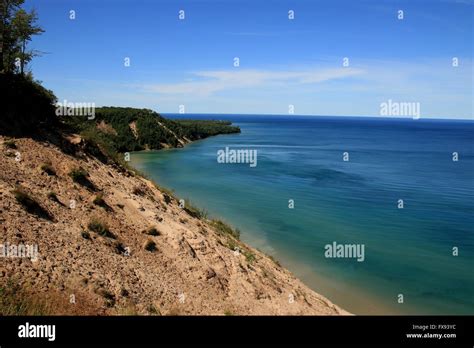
{"x":192,"y":271}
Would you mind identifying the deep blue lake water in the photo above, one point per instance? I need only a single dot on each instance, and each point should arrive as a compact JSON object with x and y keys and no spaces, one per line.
{"x":408,"y":251}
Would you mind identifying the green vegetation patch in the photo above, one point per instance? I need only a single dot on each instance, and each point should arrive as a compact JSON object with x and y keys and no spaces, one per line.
{"x":48,"y":169}
{"x":199,"y":129}
{"x":99,"y":201}
{"x":223,"y":228}
{"x":100,"y":228}
{"x":15,"y":301}
{"x":81,"y":176}
{"x":108,"y":297}
{"x":194,"y":211}
{"x":30,"y":205}
{"x":152,"y":130}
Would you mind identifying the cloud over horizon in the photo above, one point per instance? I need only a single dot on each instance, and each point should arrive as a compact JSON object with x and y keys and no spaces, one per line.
{"x":208,"y":82}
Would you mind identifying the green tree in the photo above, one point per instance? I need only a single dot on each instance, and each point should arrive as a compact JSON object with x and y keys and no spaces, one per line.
{"x":8,"y":42}
{"x":17,"y":27}
{"x":23,"y":28}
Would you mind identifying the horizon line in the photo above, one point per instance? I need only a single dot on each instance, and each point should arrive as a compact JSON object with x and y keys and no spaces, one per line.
{"x":307,"y":115}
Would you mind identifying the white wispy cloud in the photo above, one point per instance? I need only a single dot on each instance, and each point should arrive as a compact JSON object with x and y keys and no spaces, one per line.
{"x":441,"y":89}
{"x":205,"y":83}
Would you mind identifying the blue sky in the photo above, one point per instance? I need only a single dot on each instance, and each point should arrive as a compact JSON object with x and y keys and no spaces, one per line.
{"x":283,"y":62}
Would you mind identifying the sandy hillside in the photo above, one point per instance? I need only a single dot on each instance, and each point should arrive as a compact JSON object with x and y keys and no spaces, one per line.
{"x":189,"y":268}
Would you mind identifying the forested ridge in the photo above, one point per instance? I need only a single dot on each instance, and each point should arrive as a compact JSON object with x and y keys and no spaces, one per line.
{"x":131,"y":129}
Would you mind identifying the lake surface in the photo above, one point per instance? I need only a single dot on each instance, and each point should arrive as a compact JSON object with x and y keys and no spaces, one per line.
{"x":407,"y":251}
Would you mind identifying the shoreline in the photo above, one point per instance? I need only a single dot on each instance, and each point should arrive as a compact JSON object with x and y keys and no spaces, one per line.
{"x":180,"y":263}
{"x":147,"y":176}
{"x":368,"y":301}
{"x":277,"y":261}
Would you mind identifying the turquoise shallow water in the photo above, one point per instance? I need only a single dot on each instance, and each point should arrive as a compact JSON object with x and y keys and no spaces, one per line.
{"x":407,"y":251}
